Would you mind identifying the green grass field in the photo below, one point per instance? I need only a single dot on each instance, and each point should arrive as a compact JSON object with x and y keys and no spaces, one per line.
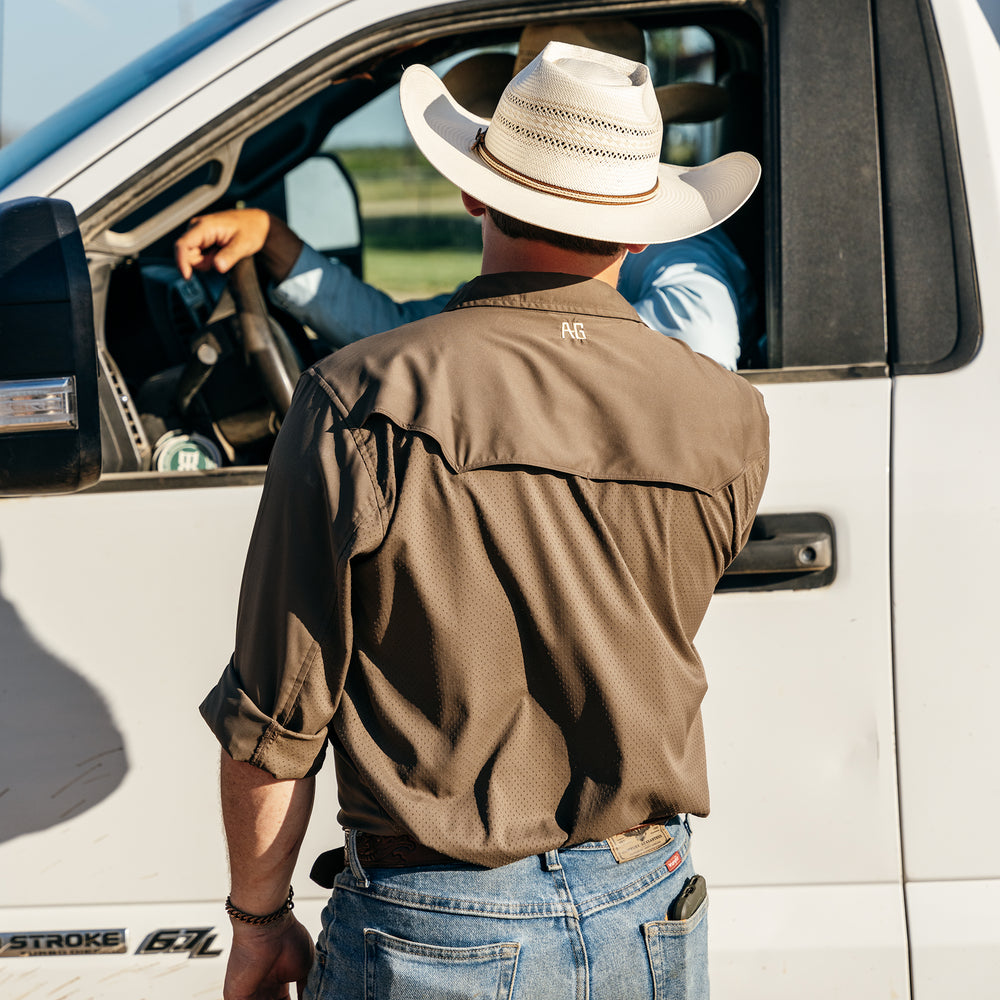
{"x":418,"y":239}
{"x":405,"y":274}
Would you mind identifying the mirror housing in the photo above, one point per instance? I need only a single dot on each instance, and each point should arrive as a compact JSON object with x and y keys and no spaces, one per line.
{"x":50,"y":433}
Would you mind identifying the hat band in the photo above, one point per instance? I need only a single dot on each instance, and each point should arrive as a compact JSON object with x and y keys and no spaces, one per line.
{"x":479,"y":146}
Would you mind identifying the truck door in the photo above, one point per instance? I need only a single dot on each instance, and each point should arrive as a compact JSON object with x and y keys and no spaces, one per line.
{"x":944,"y":516}
{"x":802,"y":850}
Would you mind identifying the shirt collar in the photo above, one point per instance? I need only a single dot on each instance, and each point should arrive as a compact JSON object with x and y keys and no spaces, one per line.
{"x":544,"y":291}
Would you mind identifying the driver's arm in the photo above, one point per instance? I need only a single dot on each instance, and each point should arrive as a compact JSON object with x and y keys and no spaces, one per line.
{"x":325,"y":295}
{"x":321,"y":293}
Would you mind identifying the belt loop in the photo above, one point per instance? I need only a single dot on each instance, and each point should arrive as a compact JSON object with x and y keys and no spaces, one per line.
{"x":550,"y":861}
{"x":687,"y":823}
{"x":353,"y":861}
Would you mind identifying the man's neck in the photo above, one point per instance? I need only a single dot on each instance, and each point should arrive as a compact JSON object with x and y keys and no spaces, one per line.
{"x":501,"y":253}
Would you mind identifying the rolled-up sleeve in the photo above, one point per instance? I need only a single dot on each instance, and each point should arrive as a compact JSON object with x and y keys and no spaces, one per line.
{"x":274,"y":702}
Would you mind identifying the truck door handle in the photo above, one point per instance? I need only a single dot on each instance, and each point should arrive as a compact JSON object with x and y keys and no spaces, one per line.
{"x":794,"y":552}
{"x":785,"y":552}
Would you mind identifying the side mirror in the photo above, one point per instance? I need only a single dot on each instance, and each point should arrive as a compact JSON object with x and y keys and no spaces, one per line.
{"x":321,"y":205}
{"x":50,"y":434}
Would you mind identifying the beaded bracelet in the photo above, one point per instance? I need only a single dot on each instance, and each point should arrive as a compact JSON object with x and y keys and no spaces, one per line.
{"x":259,"y":921}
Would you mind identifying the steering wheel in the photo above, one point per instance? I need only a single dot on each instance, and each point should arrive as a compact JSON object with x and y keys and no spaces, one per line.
{"x":267,"y":346}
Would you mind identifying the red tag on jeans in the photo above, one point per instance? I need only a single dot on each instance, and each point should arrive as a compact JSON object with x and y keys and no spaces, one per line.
{"x":674,"y":861}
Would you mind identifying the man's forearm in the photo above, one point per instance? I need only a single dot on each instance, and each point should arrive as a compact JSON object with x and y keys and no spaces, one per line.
{"x":265,"y":821}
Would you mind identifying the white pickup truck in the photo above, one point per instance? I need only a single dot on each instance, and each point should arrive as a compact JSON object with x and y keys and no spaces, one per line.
{"x":854,"y":752}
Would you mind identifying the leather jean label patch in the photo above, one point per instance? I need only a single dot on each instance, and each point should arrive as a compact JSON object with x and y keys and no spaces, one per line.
{"x":638,"y":841}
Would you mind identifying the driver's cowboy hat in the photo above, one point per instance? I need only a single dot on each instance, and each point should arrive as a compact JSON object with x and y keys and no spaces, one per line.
{"x":573,"y":146}
{"x":478,"y":80}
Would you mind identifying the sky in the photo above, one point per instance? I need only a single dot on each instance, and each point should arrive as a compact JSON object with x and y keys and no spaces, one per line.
{"x":53,"y":50}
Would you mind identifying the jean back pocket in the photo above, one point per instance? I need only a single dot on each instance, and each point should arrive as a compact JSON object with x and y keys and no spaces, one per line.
{"x":397,"y":969}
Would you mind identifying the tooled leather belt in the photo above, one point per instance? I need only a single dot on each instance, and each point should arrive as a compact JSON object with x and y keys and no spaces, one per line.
{"x":374,"y":851}
{"x":397,"y":851}
{"x":403,"y":851}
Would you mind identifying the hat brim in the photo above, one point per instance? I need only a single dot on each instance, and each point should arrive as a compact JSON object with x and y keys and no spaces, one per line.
{"x":687,"y":201}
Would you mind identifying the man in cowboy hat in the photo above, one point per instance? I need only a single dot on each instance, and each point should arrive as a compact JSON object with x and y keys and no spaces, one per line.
{"x":485,"y":544}
{"x":696,"y":289}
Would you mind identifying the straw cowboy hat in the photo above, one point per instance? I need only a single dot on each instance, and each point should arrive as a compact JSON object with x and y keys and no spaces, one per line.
{"x":573,"y":146}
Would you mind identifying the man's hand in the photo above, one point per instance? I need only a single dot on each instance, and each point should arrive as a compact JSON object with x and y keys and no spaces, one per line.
{"x":265,"y":820}
{"x":221,"y":240}
{"x":265,"y":960}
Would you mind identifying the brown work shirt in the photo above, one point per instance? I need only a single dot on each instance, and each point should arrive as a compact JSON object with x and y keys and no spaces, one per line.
{"x":485,"y":545}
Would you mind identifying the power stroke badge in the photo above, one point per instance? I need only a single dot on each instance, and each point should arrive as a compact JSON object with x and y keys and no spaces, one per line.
{"x":27,"y":944}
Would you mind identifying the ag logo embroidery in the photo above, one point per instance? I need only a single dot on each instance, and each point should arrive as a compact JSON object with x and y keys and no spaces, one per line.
{"x":574,"y":331}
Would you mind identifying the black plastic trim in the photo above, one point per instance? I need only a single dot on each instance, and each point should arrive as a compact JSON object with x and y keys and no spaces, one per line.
{"x":831,"y":298}
{"x":935,"y":320}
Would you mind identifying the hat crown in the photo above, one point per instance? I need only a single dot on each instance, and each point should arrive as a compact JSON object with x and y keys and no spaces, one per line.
{"x":580,"y":119}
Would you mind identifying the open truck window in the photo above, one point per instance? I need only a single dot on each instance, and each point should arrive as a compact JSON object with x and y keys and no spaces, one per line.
{"x":182,"y":393}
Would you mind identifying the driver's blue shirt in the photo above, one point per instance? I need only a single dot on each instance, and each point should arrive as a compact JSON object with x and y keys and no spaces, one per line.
{"x":697,"y":290}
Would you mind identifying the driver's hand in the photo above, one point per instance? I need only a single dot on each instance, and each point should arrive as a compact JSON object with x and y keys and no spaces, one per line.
{"x":221,"y":240}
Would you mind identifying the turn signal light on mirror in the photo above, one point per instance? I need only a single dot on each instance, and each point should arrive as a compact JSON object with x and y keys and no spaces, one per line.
{"x":41,"y":404}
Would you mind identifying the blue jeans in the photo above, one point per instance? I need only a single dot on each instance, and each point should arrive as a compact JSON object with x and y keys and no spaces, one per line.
{"x":572,"y":924}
